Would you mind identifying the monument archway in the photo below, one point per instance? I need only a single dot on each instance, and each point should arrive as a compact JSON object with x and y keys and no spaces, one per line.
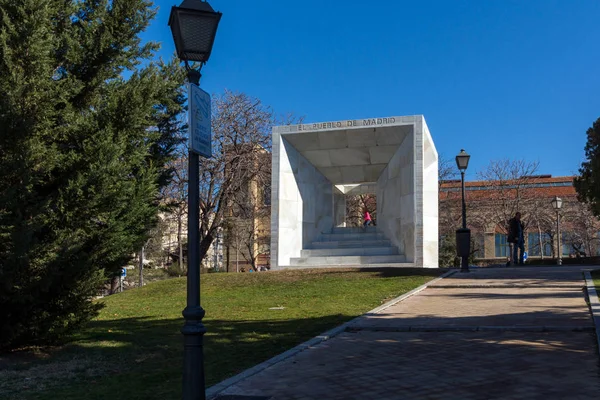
{"x":316,"y":165}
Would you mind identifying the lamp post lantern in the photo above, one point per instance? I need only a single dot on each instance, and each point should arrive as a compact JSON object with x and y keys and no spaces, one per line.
{"x":194,"y":26}
{"x":557,"y":204}
{"x":463,"y":235}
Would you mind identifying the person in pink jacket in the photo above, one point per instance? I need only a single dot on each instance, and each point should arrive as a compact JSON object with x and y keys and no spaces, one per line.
{"x":367,"y":218}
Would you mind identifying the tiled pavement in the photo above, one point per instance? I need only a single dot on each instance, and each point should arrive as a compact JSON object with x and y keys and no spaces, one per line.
{"x":511,"y":333}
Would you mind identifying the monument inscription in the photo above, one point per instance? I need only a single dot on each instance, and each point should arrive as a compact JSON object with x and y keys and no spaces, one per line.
{"x":369,"y":122}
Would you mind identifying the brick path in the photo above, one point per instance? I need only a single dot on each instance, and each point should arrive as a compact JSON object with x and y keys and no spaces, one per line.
{"x":510,"y":333}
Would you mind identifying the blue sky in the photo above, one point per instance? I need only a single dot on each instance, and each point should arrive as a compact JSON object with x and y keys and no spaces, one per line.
{"x":500,"y":78}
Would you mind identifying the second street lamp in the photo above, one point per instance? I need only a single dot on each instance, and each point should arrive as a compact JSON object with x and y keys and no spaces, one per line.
{"x":557,"y":204}
{"x":194,"y":26}
{"x":463,"y":235}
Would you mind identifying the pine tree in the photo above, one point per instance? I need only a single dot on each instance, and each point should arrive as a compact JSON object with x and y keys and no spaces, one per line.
{"x":587,"y":183}
{"x":83,"y":152}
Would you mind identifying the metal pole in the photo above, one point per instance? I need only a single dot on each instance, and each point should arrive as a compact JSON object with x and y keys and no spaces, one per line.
{"x":464,"y":266}
{"x":141,"y":260}
{"x":215,"y":252}
{"x":464,"y":205}
{"x":193,"y":330}
{"x":559,"y":249}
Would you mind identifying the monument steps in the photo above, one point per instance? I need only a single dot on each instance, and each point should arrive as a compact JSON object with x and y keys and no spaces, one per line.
{"x":351,"y":247}
{"x":357,"y":251}
{"x":333,"y":244}
{"x":348,"y":260}
{"x":376,"y":265}
{"x":354,"y":229}
{"x":334,"y":237}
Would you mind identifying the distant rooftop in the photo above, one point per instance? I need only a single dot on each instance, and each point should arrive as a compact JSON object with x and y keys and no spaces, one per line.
{"x":529,"y":181}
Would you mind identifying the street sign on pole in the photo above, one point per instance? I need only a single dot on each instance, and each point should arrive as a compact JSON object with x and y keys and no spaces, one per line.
{"x":200,"y":137}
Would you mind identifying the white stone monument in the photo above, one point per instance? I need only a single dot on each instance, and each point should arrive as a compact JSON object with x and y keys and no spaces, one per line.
{"x":316,"y":165}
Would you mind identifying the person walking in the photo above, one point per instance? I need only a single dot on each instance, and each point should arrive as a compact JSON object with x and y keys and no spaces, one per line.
{"x":367,"y":218}
{"x":516,"y":236}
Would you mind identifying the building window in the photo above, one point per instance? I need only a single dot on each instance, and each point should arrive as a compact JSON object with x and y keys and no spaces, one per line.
{"x":502,"y":248}
{"x":567,"y":243}
{"x":533,"y":245}
{"x":477,"y":245}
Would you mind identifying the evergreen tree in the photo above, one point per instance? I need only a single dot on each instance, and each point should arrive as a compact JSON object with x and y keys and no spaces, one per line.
{"x":587,"y":183}
{"x":82,"y":155}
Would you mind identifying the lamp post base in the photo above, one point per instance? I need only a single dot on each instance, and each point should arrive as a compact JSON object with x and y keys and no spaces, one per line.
{"x":464,"y":264}
{"x":193,"y":355}
{"x":463,"y":247}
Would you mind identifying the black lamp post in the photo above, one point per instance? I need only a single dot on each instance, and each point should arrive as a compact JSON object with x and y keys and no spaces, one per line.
{"x":194,"y":26}
{"x":557,"y":204}
{"x":463,"y":235}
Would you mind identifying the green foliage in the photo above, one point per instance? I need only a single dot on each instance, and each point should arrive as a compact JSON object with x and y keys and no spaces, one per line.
{"x":587,"y":183}
{"x":447,"y":252}
{"x":596,"y":277}
{"x":447,"y":257}
{"x":83,"y":152}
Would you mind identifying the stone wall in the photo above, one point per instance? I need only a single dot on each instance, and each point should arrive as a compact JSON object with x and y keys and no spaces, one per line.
{"x":396,"y":199}
{"x":429,"y":200}
{"x":304,"y":206}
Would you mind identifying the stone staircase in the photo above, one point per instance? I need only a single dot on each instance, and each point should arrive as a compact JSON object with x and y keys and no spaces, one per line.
{"x":351,"y":247}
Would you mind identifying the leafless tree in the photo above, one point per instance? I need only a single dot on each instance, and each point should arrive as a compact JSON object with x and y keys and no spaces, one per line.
{"x":448,"y":206}
{"x":581,"y":228}
{"x":241,"y":148}
{"x":234,"y":238}
{"x":248,"y":219}
{"x":446,"y":170}
{"x":356,"y":206}
{"x":541,"y":220}
{"x":175,"y":199}
{"x":241,"y":129}
{"x":512,"y":189}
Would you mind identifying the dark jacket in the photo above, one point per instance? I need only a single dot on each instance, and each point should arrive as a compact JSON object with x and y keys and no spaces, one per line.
{"x":513,"y":230}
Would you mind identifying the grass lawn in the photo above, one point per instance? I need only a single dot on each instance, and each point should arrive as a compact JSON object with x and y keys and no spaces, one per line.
{"x":596,"y":276}
{"x":133,"y":350}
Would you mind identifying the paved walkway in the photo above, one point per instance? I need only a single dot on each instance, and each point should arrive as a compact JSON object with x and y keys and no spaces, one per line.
{"x":505,"y":333}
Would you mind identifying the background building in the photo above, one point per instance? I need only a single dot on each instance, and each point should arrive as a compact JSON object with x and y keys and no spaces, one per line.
{"x":490,"y":204}
{"x":247,"y":227}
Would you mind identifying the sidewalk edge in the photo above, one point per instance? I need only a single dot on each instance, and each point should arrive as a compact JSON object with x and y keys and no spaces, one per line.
{"x":214,"y":390}
{"x":594,"y":304}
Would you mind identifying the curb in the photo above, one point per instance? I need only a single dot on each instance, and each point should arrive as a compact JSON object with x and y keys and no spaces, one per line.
{"x":214,"y":390}
{"x":509,"y":286}
{"x":594,"y":304}
{"x":482,"y":328}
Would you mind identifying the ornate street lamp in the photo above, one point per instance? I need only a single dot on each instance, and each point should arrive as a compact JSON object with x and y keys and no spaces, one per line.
{"x":557,"y":204}
{"x":194,"y":26}
{"x":463,"y":235}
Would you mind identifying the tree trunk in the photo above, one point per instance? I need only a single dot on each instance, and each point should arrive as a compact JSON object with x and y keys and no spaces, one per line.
{"x":179,"y":244}
{"x":228,"y":257}
{"x":204,"y":246}
{"x":168,"y":255}
{"x":114,"y":285}
{"x":215,"y":249}
{"x":541,"y":242}
{"x":141,"y":259}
